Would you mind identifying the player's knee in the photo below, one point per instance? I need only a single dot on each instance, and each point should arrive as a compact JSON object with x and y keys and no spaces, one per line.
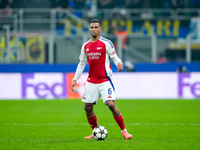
{"x":111,"y":106}
{"x":88,"y":108}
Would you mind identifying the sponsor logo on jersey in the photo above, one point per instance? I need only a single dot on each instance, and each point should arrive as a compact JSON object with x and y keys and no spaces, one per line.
{"x":93,"y":55}
{"x":87,"y":49}
{"x":98,"y":48}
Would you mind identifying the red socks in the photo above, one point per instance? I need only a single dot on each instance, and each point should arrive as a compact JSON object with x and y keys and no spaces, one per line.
{"x":92,"y":121}
{"x":120,"y":121}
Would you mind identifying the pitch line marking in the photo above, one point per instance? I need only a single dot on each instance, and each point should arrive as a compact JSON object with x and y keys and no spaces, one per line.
{"x":78,"y":124}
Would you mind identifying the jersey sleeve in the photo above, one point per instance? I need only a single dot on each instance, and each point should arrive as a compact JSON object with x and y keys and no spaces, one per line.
{"x":82,"y":63}
{"x":79,"y":69}
{"x":110,"y":49}
{"x":112,"y":53}
{"x":82,"y":56}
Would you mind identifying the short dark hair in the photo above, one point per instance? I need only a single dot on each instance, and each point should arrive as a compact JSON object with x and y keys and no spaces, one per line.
{"x":95,"y":20}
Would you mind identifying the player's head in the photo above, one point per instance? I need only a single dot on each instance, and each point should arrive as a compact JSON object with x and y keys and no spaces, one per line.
{"x":95,"y":28}
{"x":95,"y":21}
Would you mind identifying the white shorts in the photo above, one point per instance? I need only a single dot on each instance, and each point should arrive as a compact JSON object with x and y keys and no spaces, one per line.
{"x":93,"y":92}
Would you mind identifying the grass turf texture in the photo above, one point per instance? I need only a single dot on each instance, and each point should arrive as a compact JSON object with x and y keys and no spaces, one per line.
{"x":62,"y":124}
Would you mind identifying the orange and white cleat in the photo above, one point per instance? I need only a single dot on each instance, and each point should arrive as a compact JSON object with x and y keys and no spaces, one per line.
{"x":126,"y":135}
{"x":89,"y":137}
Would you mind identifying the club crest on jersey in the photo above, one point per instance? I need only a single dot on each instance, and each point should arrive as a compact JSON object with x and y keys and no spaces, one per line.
{"x":98,"y":48}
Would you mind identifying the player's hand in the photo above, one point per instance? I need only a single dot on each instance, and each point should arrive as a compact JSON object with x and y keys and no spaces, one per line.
{"x":74,"y":82}
{"x":119,"y":66}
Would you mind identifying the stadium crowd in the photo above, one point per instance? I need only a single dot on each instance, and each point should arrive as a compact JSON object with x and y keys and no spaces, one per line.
{"x":93,"y":5}
{"x":102,"y":4}
{"x":7,"y":5}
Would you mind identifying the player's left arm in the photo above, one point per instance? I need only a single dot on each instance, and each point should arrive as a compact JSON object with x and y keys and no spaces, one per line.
{"x":118,"y":63}
{"x":113,"y":55}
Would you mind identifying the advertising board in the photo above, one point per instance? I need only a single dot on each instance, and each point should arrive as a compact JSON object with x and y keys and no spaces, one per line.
{"x":149,"y":85}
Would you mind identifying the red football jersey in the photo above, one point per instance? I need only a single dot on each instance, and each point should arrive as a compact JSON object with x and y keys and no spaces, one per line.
{"x":98,"y":55}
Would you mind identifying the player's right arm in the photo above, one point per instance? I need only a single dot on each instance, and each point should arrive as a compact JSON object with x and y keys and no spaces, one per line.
{"x":79,"y":71}
{"x":80,"y":68}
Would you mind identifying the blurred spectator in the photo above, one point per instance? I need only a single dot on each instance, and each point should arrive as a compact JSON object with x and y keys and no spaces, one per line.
{"x":8,"y":10}
{"x":103,"y":4}
{"x":59,"y":13}
{"x":119,"y":3}
{"x":71,"y":4}
{"x":120,"y":14}
{"x":122,"y":33}
{"x":91,"y":5}
{"x":177,"y":4}
{"x":88,"y":4}
{"x":76,"y":4}
{"x":7,"y":6}
{"x":161,"y":59}
{"x":134,"y":4}
{"x":79,"y":4}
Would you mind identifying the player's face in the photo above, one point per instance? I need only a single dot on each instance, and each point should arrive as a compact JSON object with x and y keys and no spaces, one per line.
{"x":95,"y":29}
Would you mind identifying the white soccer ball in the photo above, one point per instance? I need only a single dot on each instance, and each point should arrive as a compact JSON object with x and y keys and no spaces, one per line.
{"x":100,"y":133}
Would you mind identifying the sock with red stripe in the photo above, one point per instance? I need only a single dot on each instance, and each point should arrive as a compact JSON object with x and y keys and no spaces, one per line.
{"x":120,"y":121}
{"x":92,"y":121}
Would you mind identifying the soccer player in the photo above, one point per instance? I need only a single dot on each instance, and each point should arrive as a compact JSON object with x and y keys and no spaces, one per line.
{"x":97,"y":53}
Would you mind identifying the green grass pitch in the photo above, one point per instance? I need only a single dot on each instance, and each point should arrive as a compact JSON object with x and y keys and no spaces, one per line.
{"x":62,"y":124}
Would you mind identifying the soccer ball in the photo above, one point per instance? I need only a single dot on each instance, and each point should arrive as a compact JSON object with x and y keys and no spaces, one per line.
{"x":100,"y":133}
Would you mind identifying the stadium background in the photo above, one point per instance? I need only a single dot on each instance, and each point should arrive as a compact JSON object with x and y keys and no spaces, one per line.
{"x":43,"y":38}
